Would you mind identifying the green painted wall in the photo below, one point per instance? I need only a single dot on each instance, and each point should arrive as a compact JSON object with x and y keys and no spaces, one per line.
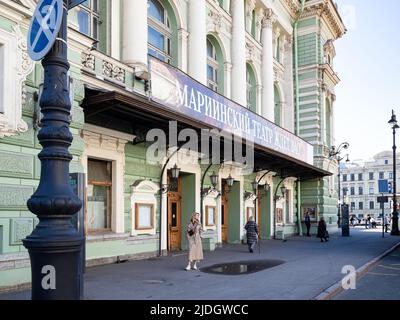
{"x":188,"y":204}
{"x":265,"y":218}
{"x":19,"y":165}
{"x":234,"y":214}
{"x":137,"y":168}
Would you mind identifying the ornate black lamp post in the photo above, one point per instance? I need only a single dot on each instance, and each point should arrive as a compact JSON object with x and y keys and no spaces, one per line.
{"x":54,"y":246}
{"x":395,"y":216}
{"x":334,"y":153}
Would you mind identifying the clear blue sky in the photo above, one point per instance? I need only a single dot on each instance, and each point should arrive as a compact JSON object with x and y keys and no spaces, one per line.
{"x":368,"y":64}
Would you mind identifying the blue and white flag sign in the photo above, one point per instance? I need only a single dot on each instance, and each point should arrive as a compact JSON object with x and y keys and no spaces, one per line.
{"x":44,"y":28}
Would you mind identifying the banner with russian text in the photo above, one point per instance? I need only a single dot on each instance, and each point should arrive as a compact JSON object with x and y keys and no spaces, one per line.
{"x":177,"y":91}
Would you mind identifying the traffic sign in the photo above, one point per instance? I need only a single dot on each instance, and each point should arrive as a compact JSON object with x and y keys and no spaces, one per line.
{"x":383,"y":199}
{"x":44,"y":28}
{"x":383,"y":186}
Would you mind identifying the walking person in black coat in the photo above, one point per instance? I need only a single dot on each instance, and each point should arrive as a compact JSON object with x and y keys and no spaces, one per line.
{"x":252,"y":233}
{"x":307,"y":221}
{"x":322,"y":231}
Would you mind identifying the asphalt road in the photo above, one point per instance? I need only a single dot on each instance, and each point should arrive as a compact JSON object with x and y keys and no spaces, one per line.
{"x":382,"y":282}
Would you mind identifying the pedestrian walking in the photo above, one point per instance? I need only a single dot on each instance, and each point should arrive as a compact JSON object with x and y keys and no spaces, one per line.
{"x":251,"y":233}
{"x":322,"y":231}
{"x":307,"y":221}
{"x":386,"y":223}
{"x":352,"y":221}
{"x":193,"y":232}
{"x":369,"y":222}
{"x":373,"y":223}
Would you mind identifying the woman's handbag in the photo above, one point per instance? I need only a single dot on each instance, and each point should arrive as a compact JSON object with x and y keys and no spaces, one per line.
{"x":326,"y":234}
{"x":190,"y":232}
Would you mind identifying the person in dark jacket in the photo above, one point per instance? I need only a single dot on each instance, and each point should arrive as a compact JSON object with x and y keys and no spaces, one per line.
{"x":322,"y":232}
{"x":251,"y":233}
{"x":307,"y":221}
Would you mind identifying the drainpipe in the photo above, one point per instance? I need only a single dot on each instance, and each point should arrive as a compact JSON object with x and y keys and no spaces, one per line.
{"x":296,"y":75}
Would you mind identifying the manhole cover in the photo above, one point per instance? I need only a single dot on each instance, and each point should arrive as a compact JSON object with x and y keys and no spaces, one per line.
{"x":242,"y":267}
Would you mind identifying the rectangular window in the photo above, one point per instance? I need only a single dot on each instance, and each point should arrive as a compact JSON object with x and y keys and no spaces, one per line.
{"x":345,"y":177}
{"x":89,"y":18}
{"x":210,"y":216}
{"x":390,"y":175}
{"x":386,"y":161}
{"x":345,"y":191}
{"x":144,"y":216}
{"x":360,"y":177}
{"x":371,"y":190}
{"x":361,"y":206}
{"x":99,"y":195}
{"x":381,"y":175}
{"x":352,"y":178}
{"x":371,"y":205}
{"x":360,"y":191}
{"x":353,"y":206}
{"x":371,"y":176}
{"x":352,"y":191}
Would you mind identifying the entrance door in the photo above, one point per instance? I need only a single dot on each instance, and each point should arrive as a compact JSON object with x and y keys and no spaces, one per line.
{"x":174,"y":216}
{"x":224,"y":212}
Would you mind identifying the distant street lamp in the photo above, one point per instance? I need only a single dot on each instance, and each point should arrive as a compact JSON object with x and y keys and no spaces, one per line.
{"x":395,"y":218}
{"x":334,"y":153}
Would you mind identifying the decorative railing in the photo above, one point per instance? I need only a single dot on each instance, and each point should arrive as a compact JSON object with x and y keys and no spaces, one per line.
{"x":107,"y":68}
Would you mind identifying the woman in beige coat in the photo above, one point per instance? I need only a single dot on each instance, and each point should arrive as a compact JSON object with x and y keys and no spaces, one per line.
{"x":193,"y":233}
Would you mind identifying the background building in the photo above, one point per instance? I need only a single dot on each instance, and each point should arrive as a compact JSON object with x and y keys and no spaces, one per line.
{"x":269,"y":57}
{"x":360,"y":183}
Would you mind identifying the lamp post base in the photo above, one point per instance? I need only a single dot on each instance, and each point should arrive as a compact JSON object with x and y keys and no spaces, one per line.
{"x":395,"y":225}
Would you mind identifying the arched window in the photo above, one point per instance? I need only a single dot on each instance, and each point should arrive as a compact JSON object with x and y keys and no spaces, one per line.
{"x":278,"y":107}
{"x":159,"y":32}
{"x":328,"y":129}
{"x":251,"y":92}
{"x":212,"y":67}
{"x":215,"y":62}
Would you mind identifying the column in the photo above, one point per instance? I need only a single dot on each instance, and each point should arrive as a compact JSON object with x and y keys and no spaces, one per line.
{"x":197,"y":41}
{"x":238,"y":53}
{"x":115,"y":29}
{"x":267,"y":107}
{"x":228,"y":78}
{"x":323,"y":114}
{"x":183,"y":36}
{"x":333,"y":100}
{"x":259,"y":18}
{"x":134,"y":35}
{"x":282,"y":49}
{"x":259,"y":97}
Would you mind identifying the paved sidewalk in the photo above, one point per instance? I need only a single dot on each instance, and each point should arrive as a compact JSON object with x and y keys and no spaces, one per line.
{"x":382,"y":282}
{"x":311,"y":267}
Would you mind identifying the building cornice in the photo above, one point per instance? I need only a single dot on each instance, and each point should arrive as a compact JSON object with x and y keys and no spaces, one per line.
{"x":292,"y":6}
{"x":327,"y":10}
